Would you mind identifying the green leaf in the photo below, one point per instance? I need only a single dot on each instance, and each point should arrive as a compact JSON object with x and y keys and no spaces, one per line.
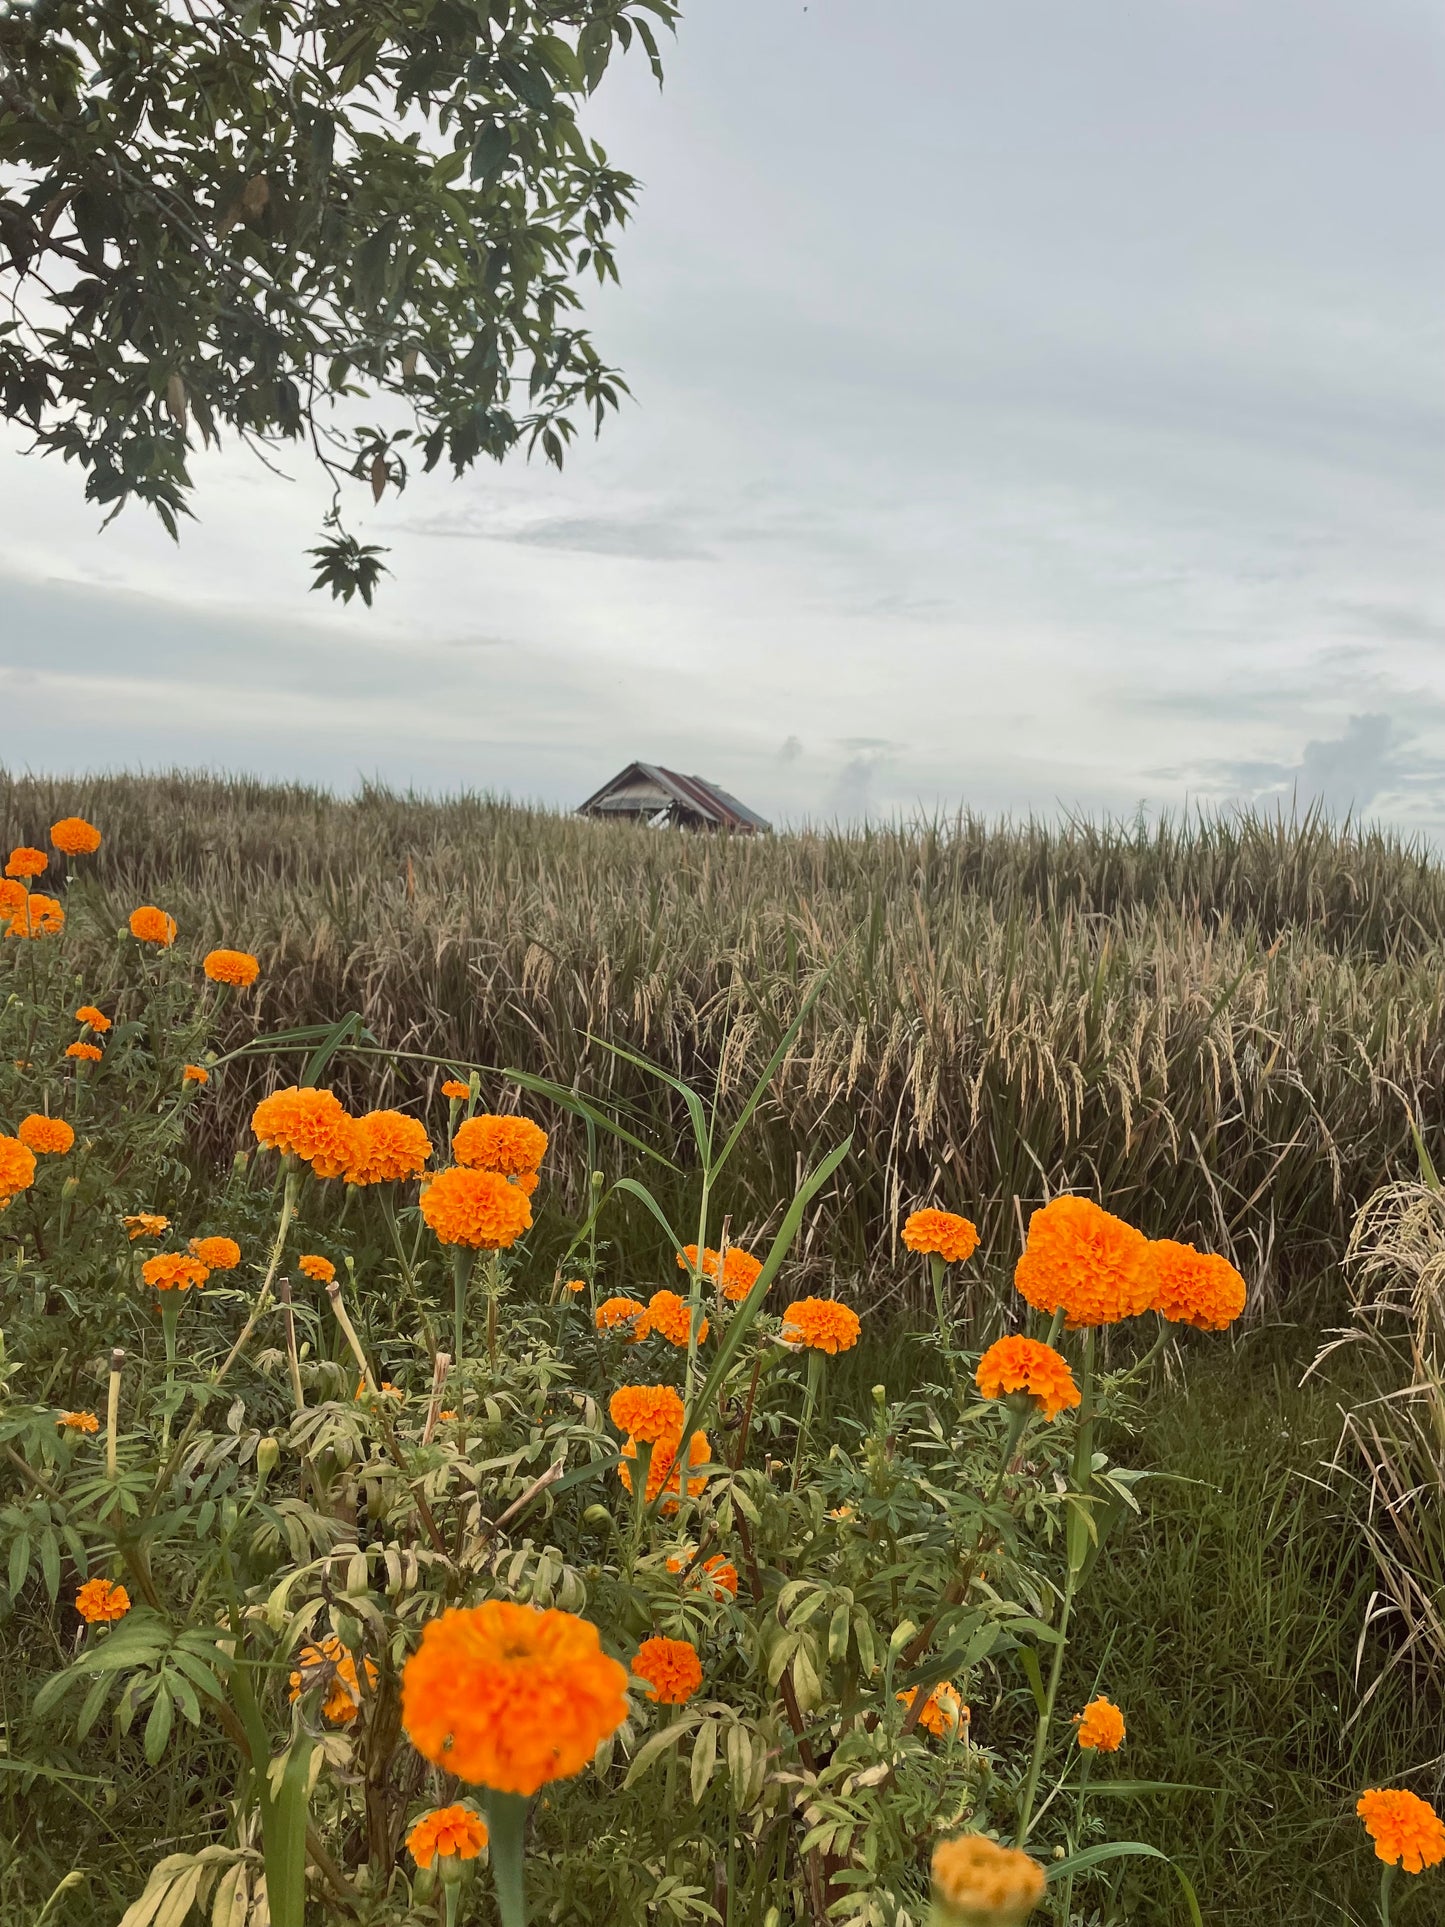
{"x":158,"y":1726}
{"x":1125,"y":1850}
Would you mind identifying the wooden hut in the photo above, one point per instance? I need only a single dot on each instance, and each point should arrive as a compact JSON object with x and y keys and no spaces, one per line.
{"x":648,"y":793}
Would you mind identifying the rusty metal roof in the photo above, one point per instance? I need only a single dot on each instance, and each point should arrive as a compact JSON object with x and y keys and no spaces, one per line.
{"x":647,"y":789}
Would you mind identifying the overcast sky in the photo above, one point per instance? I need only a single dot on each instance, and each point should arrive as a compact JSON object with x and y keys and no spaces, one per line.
{"x":1038,"y":406}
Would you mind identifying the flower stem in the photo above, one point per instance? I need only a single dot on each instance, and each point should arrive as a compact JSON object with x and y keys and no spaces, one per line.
{"x":1386,"y":1882}
{"x":810,"y":1400}
{"x":507,"y":1821}
{"x":462,"y":1262}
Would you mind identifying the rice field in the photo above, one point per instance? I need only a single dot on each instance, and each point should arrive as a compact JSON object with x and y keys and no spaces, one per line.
{"x":1226,"y":1025}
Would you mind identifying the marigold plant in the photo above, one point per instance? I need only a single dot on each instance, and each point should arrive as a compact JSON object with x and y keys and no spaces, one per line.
{"x":672,"y":1669}
{"x":1083,"y":1261}
{"x":333,"y":1665}
{"x":100,"y":1602}
{"x":195,"y":1074}
{"x":943,"y":1710}
{"x":446,"y":1833}
{"x":216,"y":1254}
{"x":145,"y":1224}
{"x":626,"y":1315}
{"x":510,"y":1697}
{"x":670,"y":1316}
{"x":475,"y":1208}
{"x":26,"y":862}
{"x":84,"y":1053}
{"x":313,"y":1265}
{"x":941,"y":1233}
{"x":174,"y":1271}
{"x":821,"y":1325}
{"x":717,"y":1576}
{"x":236,"y":967}
{"x":35,"y":916}
{"x":309,"y":1124}
{"x":386,"y":1147}
{"x":455,"y":1090}
{"x":96,"y":1019}
{"x":150,"y":925}
{"x":46,"y":1136}
{"x":1191,"y":1287}
{"x":648,"y":1412}
{"x":1406,"y":1830}
{"x":17,"y":1166}
{"x":78,"y":1421}
{"x":513,"y":1146}
{"x":1018,"y":1364}
{"x":977,"y":1883}
{"x":1100,"y":1726}
{"x":74,"y":836}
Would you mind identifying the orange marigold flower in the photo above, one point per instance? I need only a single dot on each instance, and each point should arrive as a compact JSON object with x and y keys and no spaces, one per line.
{"x":150,"y":925}
{"x":12,"y":897}
{"x":821,"y":1324}
{"x":511,"y":1697}
{"x":307,"y":1123}
{"x":945,"y":1233}
{"x":737,"y":1270}
{"x":649,"y":1412}
{"x":216,"y":1254}
{"x":629,"y":1315}
{"x":100,"y":1602}
{"x":456,"y":1090}
{"x":25,"y":861}
{"x":36,"y":916}
{"x":173,"y":1271}
{"x":445,"y":1832}
{"x":943,"y":1711}
{"x":333,"y":1665}
{"x":1101,"y":1727}
{"x":313,"y":1265}
{"x":146,"y":1224}
{"x":75,"y":836}
{"x":515,"y":1146}
{"x":1406,"y":1830}
{"x":718,"y":1576}
{"x":97,"y":1019}
{"x":978,"y":1883}
{"x":671,"y":1316}
{"x":663,"y":1473}
{"x":1191,"y":1287}
{"x":1084,"y":1261}
{"x":17,"y":1166}
{"x":236,"y":967}
{"x":78,"y":1421}
{"x":1025,"y":1365}
{"x":387,"y":1146}
{"x":574,"y":1285}
{"x":50,"y":1136}
{"x":85,"y":1053}
{"x":195,"y":1074}
{"x":477,"y":1208}
{"x":671,"y":1668}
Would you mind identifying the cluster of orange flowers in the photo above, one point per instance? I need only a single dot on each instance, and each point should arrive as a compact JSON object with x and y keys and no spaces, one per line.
{"x":666,"y":1313}
{"x":29,"y":913}
{"x":1098,"y":1270}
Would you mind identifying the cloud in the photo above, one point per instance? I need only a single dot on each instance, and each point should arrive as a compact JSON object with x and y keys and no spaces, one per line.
{"x":1371,"y":760}
{"x":851,"y":795}
{"x":644,"y":536}
{"x":791,"y":750}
